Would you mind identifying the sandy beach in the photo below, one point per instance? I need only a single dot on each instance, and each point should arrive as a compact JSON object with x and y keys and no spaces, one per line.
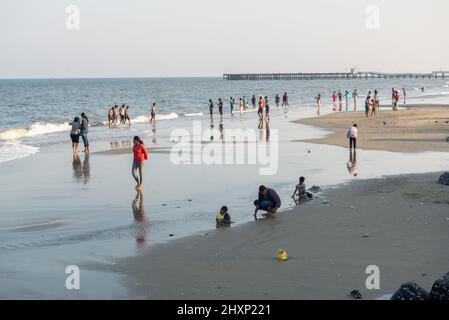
{"x":404,"y":231}
{"x":410,"y":130}
{"x":398,"y":223}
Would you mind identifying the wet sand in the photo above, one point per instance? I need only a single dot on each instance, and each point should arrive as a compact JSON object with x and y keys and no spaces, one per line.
{"x":411,"y":130}
{"x":404,"y":231}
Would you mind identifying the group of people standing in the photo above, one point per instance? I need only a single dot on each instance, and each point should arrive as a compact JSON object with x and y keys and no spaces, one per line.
{"x":262,"y":104}
{"x":80,"y":127}
{"x":115,"y":112}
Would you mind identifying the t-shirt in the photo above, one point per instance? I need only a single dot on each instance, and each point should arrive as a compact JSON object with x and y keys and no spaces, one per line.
{"x":140,"y":153}
{"x":352,"y":133}
{"x":75,"y":128}
{"x":224,"y":219}
{"x":301,"y":187}
{"x":84,"y":125}
{"x":271,"y":196}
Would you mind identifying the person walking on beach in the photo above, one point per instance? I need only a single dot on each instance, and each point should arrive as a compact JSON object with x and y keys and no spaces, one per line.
{"x":241,"y":105}
{"x":140,"y":155}
{"x":261,"y":107}
{"x":267,"y":109}
{"x":220,"y":107}
{"x":114,"y":115}
{"x":405,"y":95}
{"x":84,"y":129}
{"x":277,"y":100}
{"x":122,"y":114}
{"x":110,"y":116}
{"x":334,"y":99}
{"x":285,"y":100}
{"x":245,"y":103}
{"x":396,"y":100}
{"x":211,"y":108}
{"x":355,"y":96}
{"x":367,"y":103}
{"x":268,"y":201}
{"x":340,"y":100}
{"x":127,"y":115}
{"x":75,"y":134}
{"x":318,"y":103}
{"x":347,"y":98}
{"x":253,"y":101}
{"x":231,"y":104}
{"x":153,"y":113}
{"x":376,"y":103}
{"x":352,"y":136}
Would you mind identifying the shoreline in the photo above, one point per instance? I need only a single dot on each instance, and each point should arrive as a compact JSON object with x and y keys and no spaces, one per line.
{"x":329,"y":244}
{"x":411,"y":130}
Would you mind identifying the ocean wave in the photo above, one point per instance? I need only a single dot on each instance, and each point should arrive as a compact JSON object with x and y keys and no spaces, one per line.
{"x":35,"y":129}
{"x":14,"y":150}
{"x":198,"y":114}
{"x":143,"y":119}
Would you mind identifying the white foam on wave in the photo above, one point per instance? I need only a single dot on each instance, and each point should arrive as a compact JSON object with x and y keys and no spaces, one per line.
{"x":35,"y":129}
{"x":198,"y":114}
{"x":143,"y":119}
{"x":14,"y":150}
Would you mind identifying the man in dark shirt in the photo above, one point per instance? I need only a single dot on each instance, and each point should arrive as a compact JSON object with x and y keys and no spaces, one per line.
{"x":268,"y":201}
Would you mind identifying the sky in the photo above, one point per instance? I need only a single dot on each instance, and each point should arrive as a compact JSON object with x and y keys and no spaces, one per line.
{"x":153,"y":38}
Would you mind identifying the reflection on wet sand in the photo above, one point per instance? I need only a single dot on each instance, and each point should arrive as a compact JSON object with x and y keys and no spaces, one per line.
{"x":352,"y":163}
{"x":119,"y":144}
{"x":221,"y":128}
{"x":264,"y":134}
{"x":212,"y":128}
{"x":81,"y":171}
{"x":154,"y":132}
{"x":140,"y":219}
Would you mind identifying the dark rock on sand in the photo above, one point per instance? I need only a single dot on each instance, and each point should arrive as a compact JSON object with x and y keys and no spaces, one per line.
{"x":410,"y":291}
{"x":315,"y":189}
{"x":440,"y":288}
{"x":444,"y":179}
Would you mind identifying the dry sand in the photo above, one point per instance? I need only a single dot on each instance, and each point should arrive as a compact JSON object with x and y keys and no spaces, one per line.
{"x":406,"y":229}
{"x":411,"y":130}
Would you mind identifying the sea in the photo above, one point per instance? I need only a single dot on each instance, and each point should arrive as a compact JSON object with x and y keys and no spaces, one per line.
{"x":36,"y":112}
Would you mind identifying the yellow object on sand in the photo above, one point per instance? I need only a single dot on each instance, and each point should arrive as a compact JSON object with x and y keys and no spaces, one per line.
{"x":282,"y":255}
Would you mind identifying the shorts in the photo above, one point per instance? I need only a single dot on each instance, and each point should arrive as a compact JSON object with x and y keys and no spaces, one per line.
{"x":75,"y":138}
{"x":267,"y":109}
{"x":153,"y":115}
{"x":260,"y":111}
{"x":137,"y":165}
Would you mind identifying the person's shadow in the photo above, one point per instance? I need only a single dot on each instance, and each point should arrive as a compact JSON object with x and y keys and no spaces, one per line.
{"x":76,"y":166}
{"x":154,"y":133}
{"x":141,"y":220}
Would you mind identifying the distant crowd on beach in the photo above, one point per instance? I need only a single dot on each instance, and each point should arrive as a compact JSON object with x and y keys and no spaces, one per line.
{"x":372,"y":101}
{"x":262,"y":104}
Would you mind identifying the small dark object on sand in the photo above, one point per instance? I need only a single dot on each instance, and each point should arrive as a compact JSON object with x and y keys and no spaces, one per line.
{"x":189,"y":200}
{"x":171,"y":235}
{"x":444,"y":179}
{"x":384,"y":123}
{"x":356,"y":294}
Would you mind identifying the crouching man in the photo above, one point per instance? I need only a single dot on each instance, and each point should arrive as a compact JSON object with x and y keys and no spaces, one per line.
{"x":268,"y":201}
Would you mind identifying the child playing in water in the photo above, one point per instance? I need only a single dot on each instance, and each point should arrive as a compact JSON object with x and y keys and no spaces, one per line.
{"x":223,"y":217}
{"x":300,"y":190}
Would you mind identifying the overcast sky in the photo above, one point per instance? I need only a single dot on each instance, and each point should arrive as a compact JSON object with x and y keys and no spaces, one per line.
{"x":139,"y":38}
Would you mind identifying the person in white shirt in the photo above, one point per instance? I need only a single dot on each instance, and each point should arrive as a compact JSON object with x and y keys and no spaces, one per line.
{"x":352,"y":135}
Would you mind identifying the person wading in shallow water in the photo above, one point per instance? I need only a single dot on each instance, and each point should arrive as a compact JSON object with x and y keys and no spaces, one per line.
{"x":140,"y":155}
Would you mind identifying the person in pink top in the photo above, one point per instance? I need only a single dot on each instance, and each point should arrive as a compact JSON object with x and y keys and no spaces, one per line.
{"x":140,"y":155}
{"x":334,"y":99}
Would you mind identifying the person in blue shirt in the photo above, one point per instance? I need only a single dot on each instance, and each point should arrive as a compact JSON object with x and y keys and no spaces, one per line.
{"x":268,"y":201}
